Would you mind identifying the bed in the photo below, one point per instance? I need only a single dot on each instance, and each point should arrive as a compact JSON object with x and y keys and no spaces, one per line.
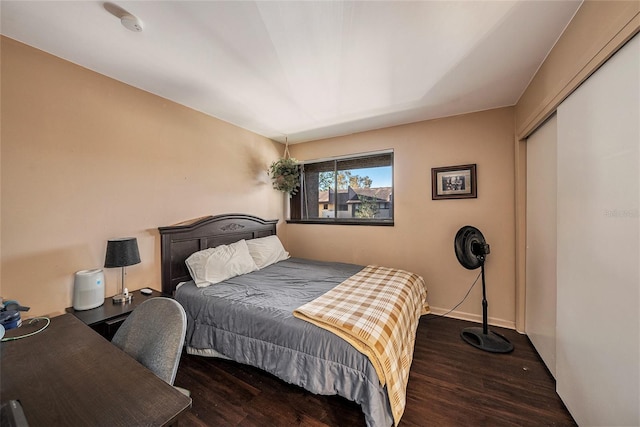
{"x":250,"y":318}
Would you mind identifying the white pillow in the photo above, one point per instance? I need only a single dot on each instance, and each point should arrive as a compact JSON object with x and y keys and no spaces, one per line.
{"x":220,"y":263}
{"x":266,"y":251}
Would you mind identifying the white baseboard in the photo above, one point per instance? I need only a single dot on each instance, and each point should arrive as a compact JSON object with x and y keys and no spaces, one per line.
{"x":474,"y":318}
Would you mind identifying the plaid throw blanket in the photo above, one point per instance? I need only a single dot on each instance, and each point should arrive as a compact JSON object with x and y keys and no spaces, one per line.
{"x":376,"y":311}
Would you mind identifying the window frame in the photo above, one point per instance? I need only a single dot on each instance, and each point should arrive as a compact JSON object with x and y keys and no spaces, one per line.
{"x":295,"y":202}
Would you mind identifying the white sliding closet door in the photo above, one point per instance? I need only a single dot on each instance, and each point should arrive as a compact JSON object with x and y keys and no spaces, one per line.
{"x":540,"y":311}
{"x":598,"y":278}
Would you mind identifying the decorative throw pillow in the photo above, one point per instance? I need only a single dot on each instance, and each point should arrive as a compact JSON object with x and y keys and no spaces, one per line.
{"x":223,"y":262}
{"x":266,"y":251}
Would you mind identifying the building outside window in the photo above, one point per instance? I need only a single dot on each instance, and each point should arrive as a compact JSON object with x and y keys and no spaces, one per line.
{"x":349,"y":190}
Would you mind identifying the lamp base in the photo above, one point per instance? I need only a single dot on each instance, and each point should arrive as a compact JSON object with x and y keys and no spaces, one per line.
{"x":122,"y":298}
{"x":491,"y":341}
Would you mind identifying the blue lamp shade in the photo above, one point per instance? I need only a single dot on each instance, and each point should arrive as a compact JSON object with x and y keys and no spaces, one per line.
{"x":122,"y":252}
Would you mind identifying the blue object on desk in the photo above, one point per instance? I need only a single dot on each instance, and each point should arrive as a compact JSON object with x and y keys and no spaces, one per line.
{"x":10,"y":319}
{"x":14,"y":305}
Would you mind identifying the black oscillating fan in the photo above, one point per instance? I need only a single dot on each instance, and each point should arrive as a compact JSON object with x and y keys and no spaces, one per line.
{"x":471,"y":251}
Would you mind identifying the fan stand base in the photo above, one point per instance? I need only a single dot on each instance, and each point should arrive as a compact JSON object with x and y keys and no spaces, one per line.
{"x":491,"y":341}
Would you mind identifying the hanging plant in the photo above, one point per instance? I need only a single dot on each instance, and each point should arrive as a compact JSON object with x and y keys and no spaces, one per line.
{"x":285,"y":175}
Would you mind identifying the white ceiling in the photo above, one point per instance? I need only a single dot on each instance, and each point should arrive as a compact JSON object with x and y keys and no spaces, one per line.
{"x":306,"y":69}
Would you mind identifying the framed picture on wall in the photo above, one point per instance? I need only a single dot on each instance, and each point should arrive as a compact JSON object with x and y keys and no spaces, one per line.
{"x":454,"y":182}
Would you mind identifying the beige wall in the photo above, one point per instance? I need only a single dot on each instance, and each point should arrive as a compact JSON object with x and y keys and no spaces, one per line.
{"x":422,"y":238}
{"x":86,"y":158}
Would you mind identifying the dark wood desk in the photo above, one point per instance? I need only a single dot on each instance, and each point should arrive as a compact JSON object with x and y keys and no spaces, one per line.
{"x":70,"y":375}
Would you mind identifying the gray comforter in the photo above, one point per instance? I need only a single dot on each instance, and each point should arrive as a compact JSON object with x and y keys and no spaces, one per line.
{"x":249,"y":319}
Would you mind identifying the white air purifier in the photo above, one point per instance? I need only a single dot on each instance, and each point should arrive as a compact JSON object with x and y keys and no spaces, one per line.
{"x":88,"y":289}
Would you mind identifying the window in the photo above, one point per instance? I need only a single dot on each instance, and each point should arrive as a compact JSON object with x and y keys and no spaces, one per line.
{"x":350,"y":190}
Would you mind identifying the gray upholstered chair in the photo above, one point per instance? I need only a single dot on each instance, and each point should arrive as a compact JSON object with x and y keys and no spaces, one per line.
{"x":153,"y":334}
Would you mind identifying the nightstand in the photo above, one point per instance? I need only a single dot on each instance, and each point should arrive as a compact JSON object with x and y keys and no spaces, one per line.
{"x":107,"y":318}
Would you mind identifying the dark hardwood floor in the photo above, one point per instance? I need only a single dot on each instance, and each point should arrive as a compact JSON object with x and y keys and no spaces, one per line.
{"x":451,"y":384}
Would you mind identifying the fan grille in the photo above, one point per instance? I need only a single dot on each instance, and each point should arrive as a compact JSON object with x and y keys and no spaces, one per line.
{"x":464,"y":242}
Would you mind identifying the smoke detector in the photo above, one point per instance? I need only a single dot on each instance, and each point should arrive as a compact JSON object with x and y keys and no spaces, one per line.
{"x":132,"y":23}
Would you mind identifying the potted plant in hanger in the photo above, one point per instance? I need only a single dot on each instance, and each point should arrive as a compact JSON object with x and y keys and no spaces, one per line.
{"x":285,"y":173}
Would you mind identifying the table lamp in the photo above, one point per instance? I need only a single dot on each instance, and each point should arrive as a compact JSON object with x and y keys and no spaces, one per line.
{"x":122,"y":253}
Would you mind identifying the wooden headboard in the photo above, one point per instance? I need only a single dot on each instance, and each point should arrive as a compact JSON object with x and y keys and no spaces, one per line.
{"x":179,"y":241}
